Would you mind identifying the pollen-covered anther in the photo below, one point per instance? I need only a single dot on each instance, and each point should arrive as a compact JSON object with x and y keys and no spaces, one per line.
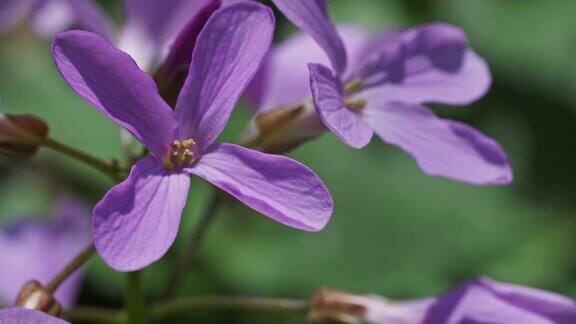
{"x":356,"y":104}
{"x":353,"y":86}
{"x":181,"y":154}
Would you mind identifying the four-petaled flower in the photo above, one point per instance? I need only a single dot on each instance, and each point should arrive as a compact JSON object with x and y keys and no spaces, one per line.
{"x":380,"y":86}
{"x":137,"y":221}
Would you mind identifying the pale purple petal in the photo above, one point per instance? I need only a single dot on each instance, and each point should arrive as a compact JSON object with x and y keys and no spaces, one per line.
{"x":151,"y":25}
{"x":431,"y":63}
{"x":180,"y":54}
{"x":441,"y":147}
{"x":137,"y":221}
{"x":17,"y":315}
{"x":285,"y":79}
{"x":31,"y":249}
{"x":276,"y":186}
{"x":329,"y":102}
{"x":110,"y":80}
{"x":227,"y":55}
{"x":53,"y":16}
{"x":312,"y":17}
{"x":487,"y":301}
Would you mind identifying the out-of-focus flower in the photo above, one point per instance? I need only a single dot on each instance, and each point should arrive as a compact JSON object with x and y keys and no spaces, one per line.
{"x":21,"y":135}
{"x":34,"y":250}
{"x":137,"y":221}
{"x":479,"y":301}
{"x":379,"y":86}
{"x":18,"y":315}
{"x":154,"y":30}
{"x":48,"y":17}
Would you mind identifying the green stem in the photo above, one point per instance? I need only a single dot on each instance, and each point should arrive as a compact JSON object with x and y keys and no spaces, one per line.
{"x":183,"y":263}
{"x":110,"y":170}
{"x":182,"y":306}
{"x":72,"y":267}
{"x":93,"y":315}
{"x":162,"y":311}
{"x":135,"y":306}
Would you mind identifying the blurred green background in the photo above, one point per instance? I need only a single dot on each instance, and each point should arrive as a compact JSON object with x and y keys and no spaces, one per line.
{"x":395,"y":231}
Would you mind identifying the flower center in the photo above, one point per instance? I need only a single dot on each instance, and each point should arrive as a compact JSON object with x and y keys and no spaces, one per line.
{"x":351,"y":88}
{"x":355,"y":104}
{"x":181,"y":154}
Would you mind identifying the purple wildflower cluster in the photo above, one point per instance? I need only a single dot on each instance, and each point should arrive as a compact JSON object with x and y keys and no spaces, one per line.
{"x":172,"y":76}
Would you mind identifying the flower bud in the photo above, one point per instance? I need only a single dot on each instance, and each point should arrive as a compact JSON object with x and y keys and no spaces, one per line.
{"x":21,"y":135}
{"x":282,"y":129}
{"x":335,"y":307}
{"x":35,"y":296}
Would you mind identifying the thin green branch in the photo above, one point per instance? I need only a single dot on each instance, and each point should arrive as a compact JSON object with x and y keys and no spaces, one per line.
{"x":183,"y":263}
{"x":162,"y":311}
{"x":93,"y":315}
{"x":72,"y":267}
{"x":186,"y":305}
{"x":135,"y":306}
{"x":108,"y":169}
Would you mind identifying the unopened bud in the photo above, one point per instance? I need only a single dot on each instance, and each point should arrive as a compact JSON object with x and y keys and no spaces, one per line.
{"x":335,"y":307}
{"x":35,"y":296}
{"x":21,"y":135}
{"x":282,"y":129}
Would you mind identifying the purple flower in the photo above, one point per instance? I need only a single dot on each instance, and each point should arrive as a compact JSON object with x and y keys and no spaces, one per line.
{"x":137,"y":221}
{"x":17,"y":315}
{"x":31,"y":249}
{"x":379,"y":87}
{"x":479,"y":301}
{"x":48,"y":17}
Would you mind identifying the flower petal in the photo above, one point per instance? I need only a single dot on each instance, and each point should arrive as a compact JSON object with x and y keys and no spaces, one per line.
{"x":441,"y":147}
{"x":487,"y":301}
{"x":181,"y":50}
{"x":151,"y":25}
{"x":137,"y":221}
{"x":110,"y":80}
{"x":53,"y":16}
{"x":312,"y":17}
{"x":17,"y":315}
{"x":431,"y":63}
{"x":285,"y":79}
{"x":227,"y":55}
{"x":329,"y":103}
{"x":276,"y":186}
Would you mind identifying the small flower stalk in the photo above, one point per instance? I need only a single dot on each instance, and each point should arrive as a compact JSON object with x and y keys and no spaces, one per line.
{"x":35,"y":296}
{"x":21,"y":135}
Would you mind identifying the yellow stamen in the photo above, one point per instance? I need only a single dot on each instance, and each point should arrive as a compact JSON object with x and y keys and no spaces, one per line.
{"x":356,"y":104}
{"x":176,"y":146}
{"x":353,"y":86}
{"x":187,"y":157}
{"x":181,"y":154}
{"x":188,"y":143}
